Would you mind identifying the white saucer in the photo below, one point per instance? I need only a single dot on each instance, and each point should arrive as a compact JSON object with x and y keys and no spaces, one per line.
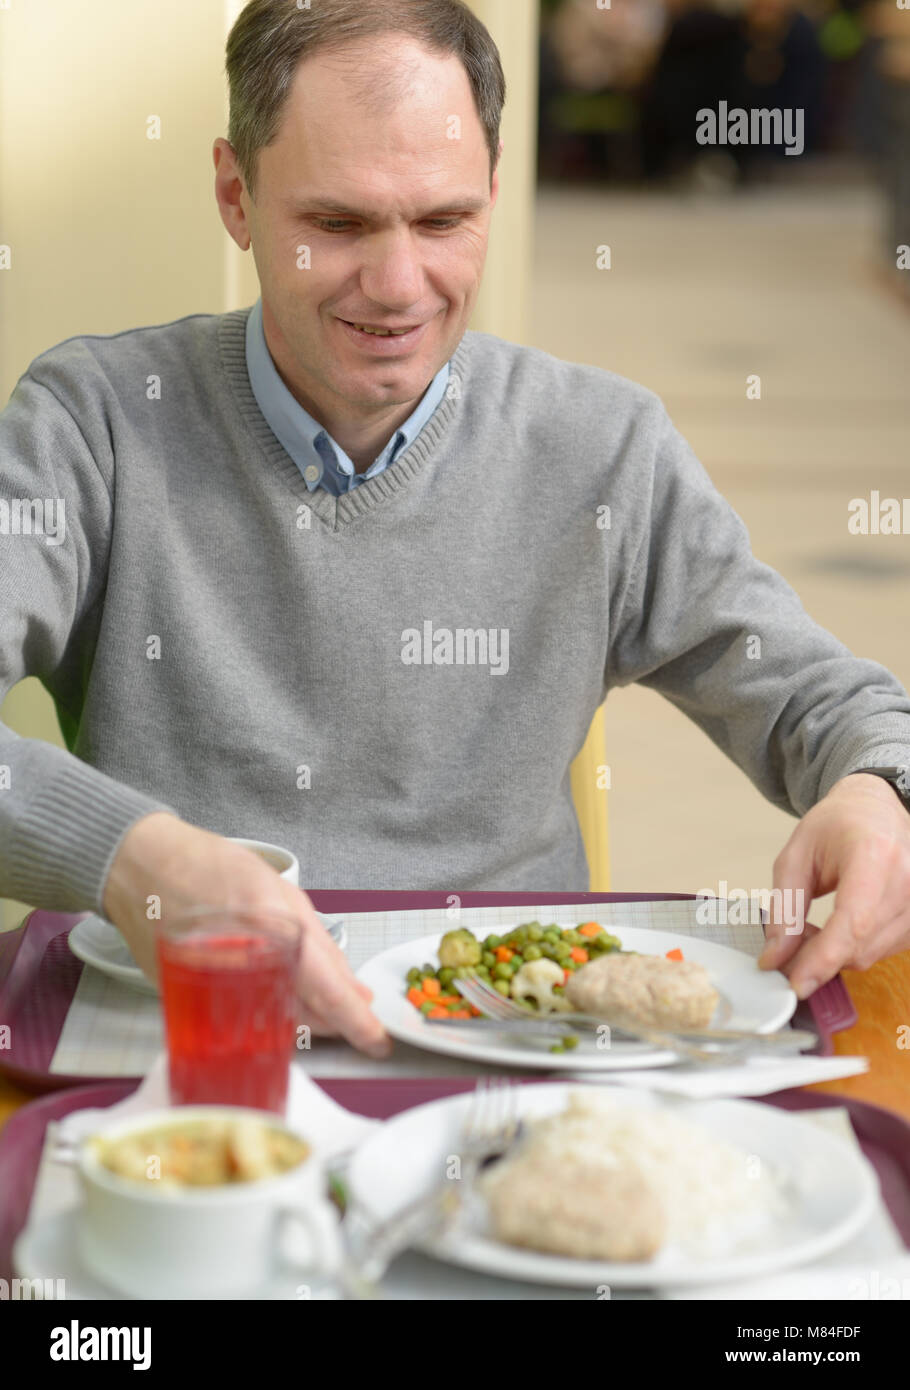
{"x":97,"y":942}
{"x":47,"y":1250}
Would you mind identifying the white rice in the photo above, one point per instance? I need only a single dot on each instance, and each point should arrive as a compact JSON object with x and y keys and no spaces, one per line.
{"x":715,"y":1196}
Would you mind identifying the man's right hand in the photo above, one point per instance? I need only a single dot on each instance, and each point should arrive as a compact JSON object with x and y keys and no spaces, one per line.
{"x":184,"y":867}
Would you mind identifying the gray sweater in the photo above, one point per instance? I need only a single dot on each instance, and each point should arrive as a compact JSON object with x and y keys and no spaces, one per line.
{"x":392,"y":683}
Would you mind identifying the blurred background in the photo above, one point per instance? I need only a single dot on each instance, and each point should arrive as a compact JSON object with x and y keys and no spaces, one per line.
{"x":724,"y":263}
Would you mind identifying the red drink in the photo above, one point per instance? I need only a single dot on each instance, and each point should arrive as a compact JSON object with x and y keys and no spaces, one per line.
{"x":229,"y":995}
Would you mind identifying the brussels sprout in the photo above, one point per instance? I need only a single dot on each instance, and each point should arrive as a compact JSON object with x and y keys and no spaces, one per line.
{"x":459,"y":948}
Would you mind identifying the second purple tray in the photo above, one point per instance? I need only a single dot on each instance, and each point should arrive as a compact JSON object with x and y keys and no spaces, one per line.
{"x":883,"y":1136}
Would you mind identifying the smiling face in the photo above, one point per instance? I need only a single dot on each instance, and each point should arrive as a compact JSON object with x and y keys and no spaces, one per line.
{"x":393,"y":200}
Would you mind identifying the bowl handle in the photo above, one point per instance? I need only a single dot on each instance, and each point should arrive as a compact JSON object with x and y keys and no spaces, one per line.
{"x":320,"y":1221}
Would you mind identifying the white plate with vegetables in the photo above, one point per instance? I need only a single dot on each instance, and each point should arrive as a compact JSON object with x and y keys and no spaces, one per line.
{"x":416,"y":997}
{"x":626,"y":1189}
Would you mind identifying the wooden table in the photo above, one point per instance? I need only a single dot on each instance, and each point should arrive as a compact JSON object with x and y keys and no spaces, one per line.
{"x":882,"y":998}
{"x":11,"y":1098}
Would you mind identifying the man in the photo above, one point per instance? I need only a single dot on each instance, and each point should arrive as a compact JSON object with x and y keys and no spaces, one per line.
{"x":354,"y":593}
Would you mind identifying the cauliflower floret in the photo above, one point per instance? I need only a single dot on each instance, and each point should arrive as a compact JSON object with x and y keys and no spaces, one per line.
{"x":459,"y":948}
{"x":535,"y":980}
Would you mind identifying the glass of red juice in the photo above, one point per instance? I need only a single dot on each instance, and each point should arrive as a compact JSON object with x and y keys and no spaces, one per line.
{"x":228,"y":979}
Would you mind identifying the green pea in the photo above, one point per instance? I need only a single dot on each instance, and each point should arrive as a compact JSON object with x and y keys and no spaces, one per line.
{"x":558,"y":989}
{"x":535,"y":932}
{"x":516,"y":962}
{"x":570,"y":1041}
{"x":533,"y":953}
{"x":425,"y":1008}
{"x":574,"y":938}
{"x":552,"y":934}
{"x":557,"y":1047}
{"x":462,"y":972}
{"x":483,"y":971}
{"x":502,"y":986}
{"x":446,"y":975}
{"x":491,"y":942}
{"x":502,"y":970}
{"x":414,"y":976}
{"x":488,"y":959}
{"x":428,"y":970}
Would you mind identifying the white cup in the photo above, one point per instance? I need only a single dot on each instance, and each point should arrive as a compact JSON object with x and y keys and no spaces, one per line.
{"x":282,"y":860}
{"x":201,"y":1242}
{"x":288,"y":867}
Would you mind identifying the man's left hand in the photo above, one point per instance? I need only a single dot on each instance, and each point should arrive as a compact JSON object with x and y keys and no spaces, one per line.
{"x":855,"y":841}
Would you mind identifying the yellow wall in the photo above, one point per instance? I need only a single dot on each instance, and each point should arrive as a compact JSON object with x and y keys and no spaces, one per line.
{"x":110,"y":229}
{"x":502,"y":306}
{"x":107,"y":228}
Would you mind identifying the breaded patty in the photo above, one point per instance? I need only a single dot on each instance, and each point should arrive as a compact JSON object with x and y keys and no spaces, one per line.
{"x":657,"y":992}
{"x":576,"y":1208}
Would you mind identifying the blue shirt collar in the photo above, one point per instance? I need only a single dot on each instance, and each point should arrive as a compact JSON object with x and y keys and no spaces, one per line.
{"x":321,"y":460}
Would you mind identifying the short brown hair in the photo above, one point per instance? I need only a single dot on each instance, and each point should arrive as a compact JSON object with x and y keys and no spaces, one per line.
{"x":271,"y":37}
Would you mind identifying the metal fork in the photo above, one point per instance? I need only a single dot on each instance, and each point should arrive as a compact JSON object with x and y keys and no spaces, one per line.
{"x":489,"y":1129}
{"x":731,"y":1044}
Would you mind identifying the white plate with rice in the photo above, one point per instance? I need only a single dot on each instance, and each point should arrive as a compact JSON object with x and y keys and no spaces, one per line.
{"x":754,"y":1000}
{"x":745,"y":1189}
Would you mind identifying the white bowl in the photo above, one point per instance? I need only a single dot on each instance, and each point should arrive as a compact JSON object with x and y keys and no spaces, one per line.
{"x":198,"y":1242}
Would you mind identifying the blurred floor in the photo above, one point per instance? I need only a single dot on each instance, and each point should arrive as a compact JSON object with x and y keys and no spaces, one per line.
{"x":785,"y":283}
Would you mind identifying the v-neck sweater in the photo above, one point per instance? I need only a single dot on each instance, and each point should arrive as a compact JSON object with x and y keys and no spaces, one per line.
{"x":392,"y":683}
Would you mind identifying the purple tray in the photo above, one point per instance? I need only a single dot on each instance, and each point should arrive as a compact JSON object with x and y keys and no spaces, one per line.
{"x":883,"y":1136}
{"x":39,"y":974}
